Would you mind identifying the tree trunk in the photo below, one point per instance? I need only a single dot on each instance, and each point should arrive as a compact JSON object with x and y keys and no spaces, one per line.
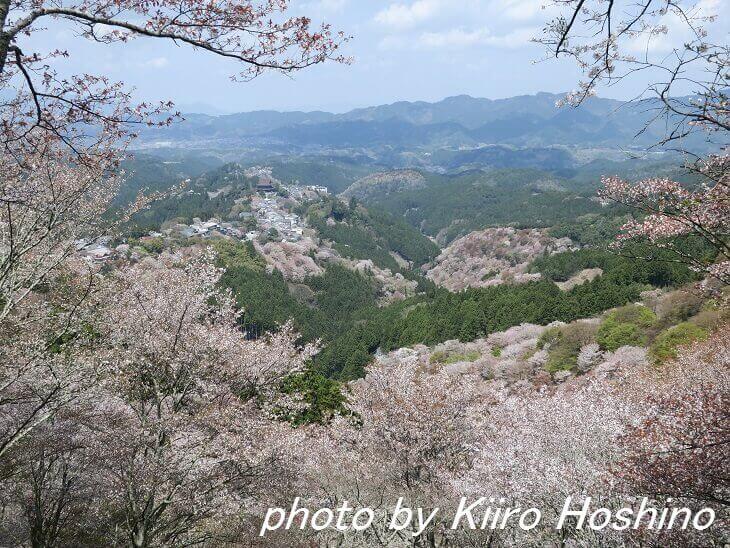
{"x":139,"y":537}
{"x":4,"y":36}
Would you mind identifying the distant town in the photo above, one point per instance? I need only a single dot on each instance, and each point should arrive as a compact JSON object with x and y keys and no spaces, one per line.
{"x":267,"y":216}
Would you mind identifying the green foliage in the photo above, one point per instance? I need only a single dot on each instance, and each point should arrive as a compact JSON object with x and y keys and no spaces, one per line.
{"x":263,"y":298}
{"x":323,"y":397}
{"x":591,"y":230}
{"x":356,"y":242}
{"x":476,"y":200}
{"x":496,"y":352}
{"x":566,"y":344}
{"x":371,"y":234}
{"x":439,"y":357}
{"x":341,"y":293}
{"x":153,"y":245}
{"x":665,"y":346}
{"x":679,"y":306}
{"x":267,"y":301}
{"x":638,"y":315}
{"x":194,"y":201}
{"x":58,"y":342}
{"x":490,"y":274}
{"x":625,"y":326}
{"x":622,"y":334}
{"x":443,"y":316}
{"x":560,"y":267}
{"x":342,"y":310}
{"x":659,"y":272}
{"x":548,"y":337}
{"x":232,"y":255}
{"x":445,"y":358}
{"x":183,"y":208}
{"x":146,"y":173}
{"x":402,"y":238}
{"x":335,"y":175}
{"x":271,"y":236}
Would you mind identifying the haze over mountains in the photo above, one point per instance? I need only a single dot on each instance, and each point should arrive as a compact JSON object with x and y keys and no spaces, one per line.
{"x":461,"y":121}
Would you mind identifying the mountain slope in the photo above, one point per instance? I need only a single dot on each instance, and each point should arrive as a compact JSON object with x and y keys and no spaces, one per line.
{"x":381,"y":184}
{"x":528,"y":120}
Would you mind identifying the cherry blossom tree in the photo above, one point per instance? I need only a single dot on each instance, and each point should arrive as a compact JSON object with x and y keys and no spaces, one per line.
{"x":688,"y":93}
{"x":89,"y":113}
{"x":44,"y":363}
{"x":539,"y":448}
{"x":670,"y":210}
{"x":191,"y":442}
{"x":412,"y":435}
{"x":47,"y":204}
{"x":682,"y":448}
{"x":176,"y":436}
{"x":51,"y":499}
{"x":432,"y":437}
{"x":616,"y":39}
{"x":589,"y":356}
{"x":61,"y":142}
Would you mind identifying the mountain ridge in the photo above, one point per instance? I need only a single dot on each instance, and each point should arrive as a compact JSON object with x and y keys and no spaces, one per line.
{"x":457,"y":121}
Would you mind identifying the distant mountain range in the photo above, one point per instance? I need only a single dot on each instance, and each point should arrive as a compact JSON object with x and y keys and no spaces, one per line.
{"x":462,"y":121}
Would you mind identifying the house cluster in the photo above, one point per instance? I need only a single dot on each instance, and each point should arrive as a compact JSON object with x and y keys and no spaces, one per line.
{"x":318,"y":189}
{"x":96,"y":250}
{"x":306,"y":192}
{"x":206,"y":229}
{"x":270,"y":215}
{"x":267,"y":208}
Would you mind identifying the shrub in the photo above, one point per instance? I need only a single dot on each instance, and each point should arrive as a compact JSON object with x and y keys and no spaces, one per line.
{"x":614,"y":336}
{"x":625,"y":326}
{"x":496,"y":352}
{"x":634,"y":313}
{"x":564,"y":350}
{"x":678,"y":306}
{"x":445,"y":358}
{"x":468,"y":357}
{"x":666,"y":344}
{"x":708,"y":319}
{"x":549,"y":337}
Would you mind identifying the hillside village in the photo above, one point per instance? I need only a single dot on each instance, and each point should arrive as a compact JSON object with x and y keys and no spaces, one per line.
{"x":460,"y":322}
{"x":268,"y":213}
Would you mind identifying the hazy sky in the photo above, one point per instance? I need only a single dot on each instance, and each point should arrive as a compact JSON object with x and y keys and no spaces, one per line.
{"x":403,"y":50}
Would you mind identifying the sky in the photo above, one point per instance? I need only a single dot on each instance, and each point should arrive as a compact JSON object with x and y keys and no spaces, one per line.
{"x":402,"y":50}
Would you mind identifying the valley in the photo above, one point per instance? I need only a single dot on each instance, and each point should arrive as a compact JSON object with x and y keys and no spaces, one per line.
{"x":374,"y":261}
{"x":399,"y":274}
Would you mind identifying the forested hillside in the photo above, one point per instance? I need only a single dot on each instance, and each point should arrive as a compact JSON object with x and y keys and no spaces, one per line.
{"x":475,"y":313}
{"x":339,"y":304}
{"x":153,"y":173}
{"x":477,"y":323}
{"x":450,"y":206}
{"x":370,"y":234}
